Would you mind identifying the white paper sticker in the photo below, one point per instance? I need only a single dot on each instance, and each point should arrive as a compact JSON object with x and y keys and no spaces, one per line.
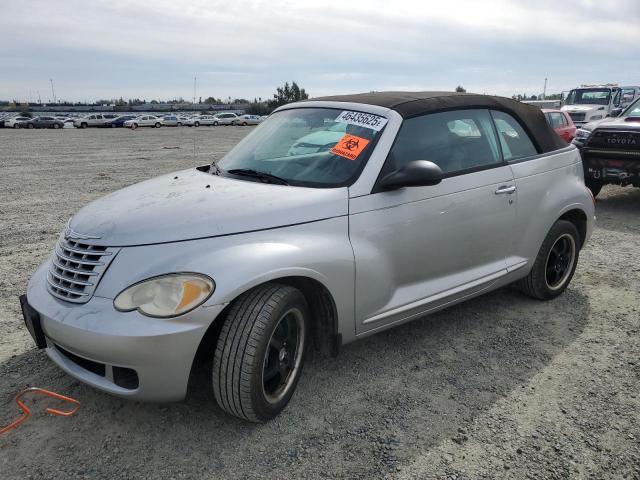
{"x":366,"y":120}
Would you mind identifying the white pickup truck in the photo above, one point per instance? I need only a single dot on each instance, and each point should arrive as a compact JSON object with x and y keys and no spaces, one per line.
{"x":595,"y":102}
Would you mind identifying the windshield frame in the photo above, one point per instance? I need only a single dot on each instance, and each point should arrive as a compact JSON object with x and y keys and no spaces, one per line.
{"x":371,"y":148}
{"x":631,"y":106}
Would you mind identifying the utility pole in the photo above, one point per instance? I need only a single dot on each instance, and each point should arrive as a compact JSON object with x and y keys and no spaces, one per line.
{"x":544,"y":90}
{"x":53,"y":92}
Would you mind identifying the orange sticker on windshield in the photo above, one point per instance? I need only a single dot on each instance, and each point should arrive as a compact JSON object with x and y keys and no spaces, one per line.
{"x":350,"y":146}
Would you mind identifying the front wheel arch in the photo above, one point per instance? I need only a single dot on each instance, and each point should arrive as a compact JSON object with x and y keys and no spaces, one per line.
{"x":325,"y":338}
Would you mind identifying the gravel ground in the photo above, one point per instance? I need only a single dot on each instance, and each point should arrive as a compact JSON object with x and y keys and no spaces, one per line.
{"x":500,"y":386}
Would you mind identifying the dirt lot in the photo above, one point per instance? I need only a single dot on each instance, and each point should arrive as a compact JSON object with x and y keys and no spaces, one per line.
{"x":501,"y":386}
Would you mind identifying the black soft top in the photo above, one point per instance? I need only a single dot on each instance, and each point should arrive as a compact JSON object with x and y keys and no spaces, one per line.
{"x":413,"y":104}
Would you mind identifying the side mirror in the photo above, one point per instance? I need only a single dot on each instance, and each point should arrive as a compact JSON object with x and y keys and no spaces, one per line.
{"x":418,"y":173}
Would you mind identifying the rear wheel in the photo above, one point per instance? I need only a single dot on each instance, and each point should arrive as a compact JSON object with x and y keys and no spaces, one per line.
{"x":215,"y":124}
{"x":30,"y":125}
{"x":244,"y":124}
{"x":595,"y":186}
{"x":157,"y":125}
{"x":55,"y":125}
{"x":134,"y":126}
{"x":196,"y":124}
{"x":555,"y":264}
{"x":15,"y":125}
{"x":260,"y":352}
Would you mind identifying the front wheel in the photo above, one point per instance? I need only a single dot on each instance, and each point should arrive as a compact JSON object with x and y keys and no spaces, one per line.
{"x":197,"y":124}
{"x":595,"y":186}
{"x":157,"y":125}
{"x":55,"y":125}
{"x":260,"y":352}
{"x":555,"y":264}
{"x":30,"y":125}
{"x":15,"y":125}
{"x":134,"y":126}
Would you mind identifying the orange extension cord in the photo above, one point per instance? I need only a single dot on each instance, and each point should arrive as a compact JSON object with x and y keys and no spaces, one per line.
{"x":26,"y":411}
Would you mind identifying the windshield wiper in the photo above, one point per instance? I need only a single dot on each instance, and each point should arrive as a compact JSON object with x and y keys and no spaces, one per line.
{"x":266,"y":177}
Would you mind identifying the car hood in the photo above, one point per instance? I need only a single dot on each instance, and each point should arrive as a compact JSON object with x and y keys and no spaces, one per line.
{"x":614,"y":123}
{"x":195,"y":204}
{"x":580,"y":108}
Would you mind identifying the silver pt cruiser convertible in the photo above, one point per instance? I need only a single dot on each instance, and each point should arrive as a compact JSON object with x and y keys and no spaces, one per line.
{"x":334,"y":219}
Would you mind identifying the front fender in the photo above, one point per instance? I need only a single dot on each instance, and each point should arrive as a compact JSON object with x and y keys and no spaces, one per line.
{"x":317,"y":250}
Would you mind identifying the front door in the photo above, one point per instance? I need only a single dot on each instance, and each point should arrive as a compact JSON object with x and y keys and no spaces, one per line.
{"x":419,"y":248}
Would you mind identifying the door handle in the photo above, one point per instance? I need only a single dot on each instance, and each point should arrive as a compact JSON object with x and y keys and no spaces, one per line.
{"x":505,"y":189}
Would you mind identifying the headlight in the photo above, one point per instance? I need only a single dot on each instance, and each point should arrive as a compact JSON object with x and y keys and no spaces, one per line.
{"x":167,"y":295}
{"x":582,"y":133}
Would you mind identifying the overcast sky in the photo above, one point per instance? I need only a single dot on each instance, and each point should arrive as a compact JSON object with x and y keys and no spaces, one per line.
{"x":108,"y":49}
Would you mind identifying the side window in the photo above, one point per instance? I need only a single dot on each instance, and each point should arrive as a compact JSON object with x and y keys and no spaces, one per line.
{"x":556,"y":119}
{"x":456,"y":141}
{"x":514,"y":140}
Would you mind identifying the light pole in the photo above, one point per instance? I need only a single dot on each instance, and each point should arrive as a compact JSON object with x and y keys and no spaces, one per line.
{"x":544,"y":90}
{"x":53,"y":93}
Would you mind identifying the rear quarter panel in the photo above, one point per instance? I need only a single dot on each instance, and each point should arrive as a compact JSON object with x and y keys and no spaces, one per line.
{"x":548,"y":186}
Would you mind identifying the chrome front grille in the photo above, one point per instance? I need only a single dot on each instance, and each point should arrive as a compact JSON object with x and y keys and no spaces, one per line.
{"x":76,"y":268}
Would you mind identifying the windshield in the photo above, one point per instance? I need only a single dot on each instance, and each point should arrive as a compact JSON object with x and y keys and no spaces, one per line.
{"x":315,"y":147}
{"x":633,"y":110}
{"x":589,"y":96}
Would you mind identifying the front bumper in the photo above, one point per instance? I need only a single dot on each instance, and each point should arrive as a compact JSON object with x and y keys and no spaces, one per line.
{"x":105,"y":348}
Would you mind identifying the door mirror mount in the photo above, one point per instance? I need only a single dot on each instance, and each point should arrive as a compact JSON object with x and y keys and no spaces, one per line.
{"x":417,"y":173}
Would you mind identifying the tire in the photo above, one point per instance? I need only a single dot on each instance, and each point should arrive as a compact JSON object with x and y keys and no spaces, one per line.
{"x":179,"y":124}
{"x":15,"y":125}
{"x":113,"y":125}
{"x":30,"y":125}
{"x":196,"y":124}
{"x":55,"y":125}
{"x":244,"y":124}
{"x":157,"y":125}
{"x":595,"y":186}
{"x":555,"y":264}
{"x":256,"y":323}
{"x":83,"y":125}
{"x":215,"y":124}
{"x":134,"y":126}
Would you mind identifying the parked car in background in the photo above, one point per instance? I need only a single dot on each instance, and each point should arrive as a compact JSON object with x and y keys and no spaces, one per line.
{"x":41,"y":122}
{"x":610,"y":150}
{"x":225,"y":119}
{"x":118,"y":122}
{"x":259,"y":257}
{"x":173,"y":121}
{"x":247,"y":120}
{"x":561,"y":122}
{"x":93,"y":120}
{"x":201,"y":120}
{"x":13,"y":122}
{"x":144,"y":121}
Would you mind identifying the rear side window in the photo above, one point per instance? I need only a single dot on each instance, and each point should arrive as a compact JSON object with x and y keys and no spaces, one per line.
{"x":556,"y":119}
{"x":456,"y":141}
{"x":514,"y":140}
